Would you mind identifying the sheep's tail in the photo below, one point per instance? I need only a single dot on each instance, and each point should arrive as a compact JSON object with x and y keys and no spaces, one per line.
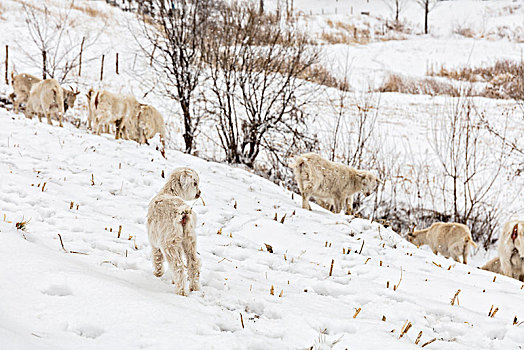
{"x":469,"y":241}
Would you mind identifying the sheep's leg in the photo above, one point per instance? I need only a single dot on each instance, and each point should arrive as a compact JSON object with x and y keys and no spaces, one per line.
{"x":349,"y":205}
{"x":305,"y":201}
{"x":16,"y":105}
{"x":60,"y":120}
{"x":193,"y":264}
{"x":338,"y":204}
{"x":465,"y":255}
{"x":173,"y":256}
{"x":39,"y":116}
{"x":48,"y":116}
{"x":158,"y":261}
{"x":118,"y":124}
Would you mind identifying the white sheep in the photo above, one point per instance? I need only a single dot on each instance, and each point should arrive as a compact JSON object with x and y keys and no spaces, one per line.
{"x":330,"y":182}
{"x":171,"y":228}
{"x":450,"y":239}
{"x":46,"y":98}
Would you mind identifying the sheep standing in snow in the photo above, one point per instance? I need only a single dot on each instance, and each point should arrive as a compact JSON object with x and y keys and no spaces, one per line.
{"x":106,"y":108}
{"x":22,"y":84}
{"x":511,"y":249}
{"x":46,"y":98}
{"x":145,"y":125}
{"x":171,"y":228}
{"x":330,"y":182}
{"x":449,"y":239}
{"x":493,"y":265}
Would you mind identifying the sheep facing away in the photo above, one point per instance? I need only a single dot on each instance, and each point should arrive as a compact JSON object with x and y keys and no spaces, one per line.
{"x":493,"y":265}
{"x":46,"y":98}
{"x":511,"y":249}
{"x":171,"y":228}
{"x":449,"y":239}
{"x":330,"y":182}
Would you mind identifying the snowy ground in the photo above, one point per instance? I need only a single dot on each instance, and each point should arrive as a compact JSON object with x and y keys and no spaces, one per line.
{"x":106,"y":296}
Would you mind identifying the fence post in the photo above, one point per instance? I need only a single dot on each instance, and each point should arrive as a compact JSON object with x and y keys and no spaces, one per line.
{"x":80,"y":62}
{"x":6,"y":64}
{"x":44,"y":59}
{"x":102,"y":69}
{"x":117,"y":63}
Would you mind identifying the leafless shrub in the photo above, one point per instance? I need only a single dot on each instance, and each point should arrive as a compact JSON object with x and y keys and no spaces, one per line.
{"x":465,"y":31}
{"x":58,"y":48}
{"x":175,"y":45}
{"x":425,"y":86}
{"x":257,"y":94}
{"x":505,"y":78}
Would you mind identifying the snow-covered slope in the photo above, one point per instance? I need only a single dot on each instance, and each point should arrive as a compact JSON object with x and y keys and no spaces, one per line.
{"x":101,"y":293}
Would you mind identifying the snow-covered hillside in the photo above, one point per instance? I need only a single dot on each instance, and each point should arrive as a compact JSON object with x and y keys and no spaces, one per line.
{"x":100,"y":292}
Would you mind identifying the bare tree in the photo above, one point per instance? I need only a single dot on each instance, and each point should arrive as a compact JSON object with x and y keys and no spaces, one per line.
{"x":176,"y":39}
{"x":58,"y":46}
{"x":396,"y":7}
{"x":427,"y":6}
{"x":257,"y":70}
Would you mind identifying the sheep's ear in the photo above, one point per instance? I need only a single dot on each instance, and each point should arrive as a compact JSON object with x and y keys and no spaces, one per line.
{"x":185,"y":180}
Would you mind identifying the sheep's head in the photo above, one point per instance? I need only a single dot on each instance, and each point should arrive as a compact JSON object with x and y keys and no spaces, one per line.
{"x":69,"y":98}
{"x":369,"y":182}
{"x":183,"y":182}
{"x":412,"y":238}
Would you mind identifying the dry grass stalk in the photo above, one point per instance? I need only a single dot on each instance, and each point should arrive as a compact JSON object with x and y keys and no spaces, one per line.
{"x":395,"y":287}
{"x":494,"y":312}
{"x":235,"y":205}
{"x":92,"y":179}
{"x":361,"y":247}
{"x":331,"y":269}
{"x":71,"y":205}
{"x":162,"y":175}
{"x":405,"y":328}
{"x":43,"y":186}
{"x":119,"y":231}
{"x":281,"y":293}
{"x":368,"y":259}
{"x":429,"y":342}
{"x":357,"y":311}
{"x":438,"y":265}
{"x":418,"y":338}
{"x":455,"y":298}
{"x":283,"y":219}
{"x":269,"y":248}
{"x":241,"y":320}
{"x":276,"y":217}
{"x":343,"y":250}
{"x":387,"y":284}
{"x":383,"y":318}
{"x":272,"y":290}
{"x":494,"y":278}
{"x":22,"y":224}
{"x":219,"y":232}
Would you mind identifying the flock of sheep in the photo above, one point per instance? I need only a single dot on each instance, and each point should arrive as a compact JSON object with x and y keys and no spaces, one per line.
{"x":171,"y":222}
{"x":132,"y":119}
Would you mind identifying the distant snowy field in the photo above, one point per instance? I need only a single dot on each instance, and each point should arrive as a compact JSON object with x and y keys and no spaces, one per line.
{"x":105,"y":295}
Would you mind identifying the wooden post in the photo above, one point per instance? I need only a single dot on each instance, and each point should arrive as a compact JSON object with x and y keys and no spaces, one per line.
{"x":44,"y":69}
{"x":80,"y":61}
{"x":6,"y":64}
{"x":102,"y":69}
{"x":117,"y":63}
